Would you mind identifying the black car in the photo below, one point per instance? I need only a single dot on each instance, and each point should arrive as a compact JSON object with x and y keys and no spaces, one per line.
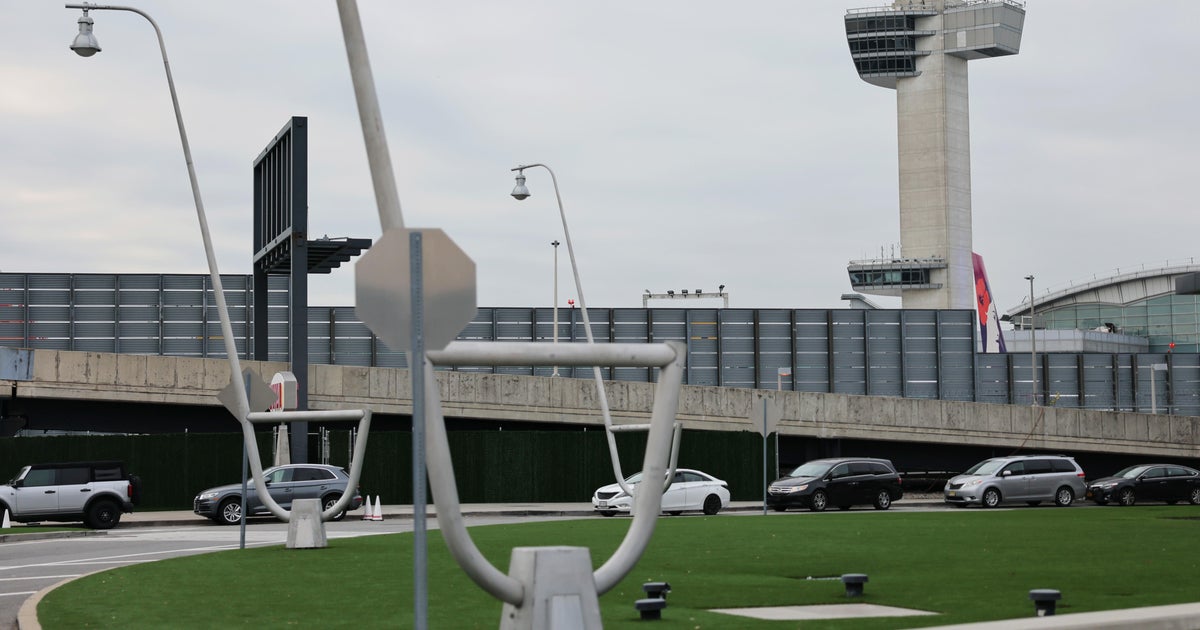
{"x":844,"y":482}
{"x":1148,"y":482}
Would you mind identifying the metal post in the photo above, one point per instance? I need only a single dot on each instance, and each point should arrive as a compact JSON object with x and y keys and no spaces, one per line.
{"x":555,"y":243}
{"x":1153,"y":394}
{"x":764,"y":419}
{"x":417,"y":368}
{"x":242,"y":525}
{"x":1032,"y":346}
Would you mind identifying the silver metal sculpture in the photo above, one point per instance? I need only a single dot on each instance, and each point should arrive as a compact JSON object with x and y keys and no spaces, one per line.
{"x":546,"y":587}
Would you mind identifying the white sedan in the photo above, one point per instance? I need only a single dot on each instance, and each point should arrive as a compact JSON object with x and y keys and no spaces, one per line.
{"x":691,"y":490}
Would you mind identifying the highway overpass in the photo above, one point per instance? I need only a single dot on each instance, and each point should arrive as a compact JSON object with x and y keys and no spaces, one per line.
{"x":99,"y":391}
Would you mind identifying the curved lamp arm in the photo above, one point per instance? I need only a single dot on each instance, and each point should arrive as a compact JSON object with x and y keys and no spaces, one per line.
{"x":242,"y":400}
{"x":587,"y":330}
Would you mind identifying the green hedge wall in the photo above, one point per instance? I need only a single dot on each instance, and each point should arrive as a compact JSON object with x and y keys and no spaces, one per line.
{"x":489,"y":466}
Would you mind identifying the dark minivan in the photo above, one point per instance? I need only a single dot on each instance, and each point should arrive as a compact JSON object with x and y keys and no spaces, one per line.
{"x":843,"y":481}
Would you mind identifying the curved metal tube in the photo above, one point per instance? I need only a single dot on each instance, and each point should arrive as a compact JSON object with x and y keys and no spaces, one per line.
{"x":648,"y":501}
{"x":449,"y":512}
{"x":379,"y":159}
{"x":360,"y":447}
{"x":669,"y":357}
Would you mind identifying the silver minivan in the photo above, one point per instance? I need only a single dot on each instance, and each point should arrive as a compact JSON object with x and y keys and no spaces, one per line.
{"x":1029,"y":478}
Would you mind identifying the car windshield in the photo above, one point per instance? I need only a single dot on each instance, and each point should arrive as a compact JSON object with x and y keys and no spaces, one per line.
{"x":18,"y":475}
{"x":985,"y":467}
{"x":636,"y":478}
{"x":810,"y":469}
{"x":1132,"y":472}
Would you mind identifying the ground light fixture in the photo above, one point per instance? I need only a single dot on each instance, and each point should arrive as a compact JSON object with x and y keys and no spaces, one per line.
{"x":854,"y":583}
{"x":1044,"y":600}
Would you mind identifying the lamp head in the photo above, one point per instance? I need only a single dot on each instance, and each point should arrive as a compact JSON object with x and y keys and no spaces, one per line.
{"x":520,"y":191}
{"x":85,"y":44}
{"x":721,"y":288}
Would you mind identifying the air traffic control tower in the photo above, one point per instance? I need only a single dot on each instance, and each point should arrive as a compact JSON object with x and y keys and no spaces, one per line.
{"x":921,"y":49}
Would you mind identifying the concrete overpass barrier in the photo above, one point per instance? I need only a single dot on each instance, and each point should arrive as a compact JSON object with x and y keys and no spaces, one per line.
{"x":69,"y":375}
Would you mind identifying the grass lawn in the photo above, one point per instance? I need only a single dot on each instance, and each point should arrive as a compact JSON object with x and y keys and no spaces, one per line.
{"x":967,"y":565}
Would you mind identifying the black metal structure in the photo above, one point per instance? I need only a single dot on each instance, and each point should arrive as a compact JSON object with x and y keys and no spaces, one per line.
{"x":281,"y":247}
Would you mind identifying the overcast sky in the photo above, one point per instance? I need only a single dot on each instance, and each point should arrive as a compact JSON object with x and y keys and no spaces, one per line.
{"x":696,"y":143}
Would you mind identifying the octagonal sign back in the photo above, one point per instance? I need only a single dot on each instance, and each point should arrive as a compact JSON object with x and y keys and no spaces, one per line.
{"x":383,"y":288}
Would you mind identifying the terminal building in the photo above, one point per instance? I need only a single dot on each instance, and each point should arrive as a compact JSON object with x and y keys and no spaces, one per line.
{"x":1137,"y":310}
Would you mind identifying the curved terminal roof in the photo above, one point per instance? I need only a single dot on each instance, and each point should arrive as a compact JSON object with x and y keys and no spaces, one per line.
{"x":1118,"y":290}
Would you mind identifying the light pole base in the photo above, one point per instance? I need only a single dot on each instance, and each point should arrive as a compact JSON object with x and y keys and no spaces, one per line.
{"x":560,"y":593}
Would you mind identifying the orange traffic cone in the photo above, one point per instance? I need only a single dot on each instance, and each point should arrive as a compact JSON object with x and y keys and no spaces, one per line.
{"x":367,"y":510}
{"x":377,"y":514}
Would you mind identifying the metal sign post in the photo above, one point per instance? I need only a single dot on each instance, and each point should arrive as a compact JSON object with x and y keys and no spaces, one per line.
{"x":416,"y":367}
{"x":765,"y":413}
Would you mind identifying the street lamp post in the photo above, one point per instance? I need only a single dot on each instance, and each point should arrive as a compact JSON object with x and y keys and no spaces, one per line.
{"x":85,"y":45}
{"x":555,"y":243}
{"x":521,"y":192}
{"x":1032,"y":346}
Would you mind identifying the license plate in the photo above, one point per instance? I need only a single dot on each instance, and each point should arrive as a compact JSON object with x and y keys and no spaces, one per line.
{"x":603,"y":504}
{"x":952,"y":493}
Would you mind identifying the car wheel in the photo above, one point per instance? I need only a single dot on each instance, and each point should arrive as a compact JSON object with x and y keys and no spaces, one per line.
{"x":1126,"y":497}
{"x":991,"y":498}
{"x":819,"y":501}
{"x":328,"y":503}
{"x":103,"y":515}
{"x":1033,"y":503}
{"x":1064,"y":497}
{"x":1194,"y":496}
{"x":230,"y":511}
{"x":608,"y":513}
{"x":712,"y":504}
{"x":883,"y":500}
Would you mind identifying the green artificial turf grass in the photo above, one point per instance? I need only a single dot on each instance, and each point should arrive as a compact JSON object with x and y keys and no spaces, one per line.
{"x":967,"y":565}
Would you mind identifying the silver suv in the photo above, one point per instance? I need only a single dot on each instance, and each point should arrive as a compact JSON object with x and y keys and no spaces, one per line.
{"x":285,"y":484}
{"x":95,"y":492}
{"x":1029,"y":478}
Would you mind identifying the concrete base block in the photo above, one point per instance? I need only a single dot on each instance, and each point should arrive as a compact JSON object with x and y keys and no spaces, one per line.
{"x":306,"y":530}
{"x":560,"y":593}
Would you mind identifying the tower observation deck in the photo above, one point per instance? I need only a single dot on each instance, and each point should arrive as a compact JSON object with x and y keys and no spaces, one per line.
{"x":920,"y":48}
